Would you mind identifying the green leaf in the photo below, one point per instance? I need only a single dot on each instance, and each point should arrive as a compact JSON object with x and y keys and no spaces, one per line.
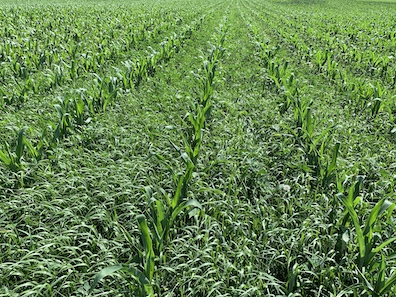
{"x":359,"y":233}
{"x":333,"y":162}
{"x":32,"y":149}
{"x":149,"y":265}
{"x":381,"y":276}
{"x":309,"y":121}
{"x":105,"y":272}
{"x":193,"y":121}
{"x":145,"y":232}
{"x":384,"y":244}
{"x":181,"y":206}
{"x":21,"y":144}
{"x":148,"y":246}
{"x":6,"y":160}
{"x":390,"y":282}
{"x":375,"y":213}
{"x":131,"y":270}
{"x":176,"y":197}
{"x":158,"y":215}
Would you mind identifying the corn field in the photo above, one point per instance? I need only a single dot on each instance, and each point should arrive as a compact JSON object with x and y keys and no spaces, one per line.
{"x":191,"y":148}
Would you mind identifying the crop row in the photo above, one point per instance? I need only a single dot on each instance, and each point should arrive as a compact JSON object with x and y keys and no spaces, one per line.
{"x":370,"y":88}
{"x":74,"y":112}
{"x":314,"y":144}
{"x":155,"y":229}
{"x":38,"y":63}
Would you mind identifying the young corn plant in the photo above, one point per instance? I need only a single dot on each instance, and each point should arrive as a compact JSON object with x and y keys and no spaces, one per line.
{"x":291,"y":91}
{"x":64,"y":126}
{"x":278,"y":72}
{"x":376,"y":100}
{"x":320,"y":59}
{"x":55,"y":76}
{"x":13,"y":158}
{"x":104,"y":92}
{"x":140,"y":71}
{"x":371,"y":259}
{"x":315,"y":145}
{"x":21,"y":94}
{"x":79,"y":105}
{"x":143,"y":269}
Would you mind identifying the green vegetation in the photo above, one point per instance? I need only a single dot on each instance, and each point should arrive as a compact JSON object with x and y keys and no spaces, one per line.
{"x":175,"y":148}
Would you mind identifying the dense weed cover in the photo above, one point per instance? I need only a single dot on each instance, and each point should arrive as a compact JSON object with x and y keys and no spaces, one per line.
{"x":174,"y":148}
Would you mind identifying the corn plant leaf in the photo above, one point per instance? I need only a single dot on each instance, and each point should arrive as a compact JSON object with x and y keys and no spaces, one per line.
{"x":183,"y":205}
{"x":148,"y":246}
{"x":176,"y":197}
{"x":32,"y":149}
{"x":160,"y":211}
{"x":375,"y":213}
{"x":158,"y":215}
{"x":149,"y":265}
{"x":105,"y":272}
{"x":333,"y":162}
{"x":3,"y":157}
{"x":381,"y":276}
{"x":21,"y":144}
{"x":349,"y":205}
{"x":193,"y":121}
{"x":389,"y":283}
{"x":145,"y":232}
{"x":384,"y":244}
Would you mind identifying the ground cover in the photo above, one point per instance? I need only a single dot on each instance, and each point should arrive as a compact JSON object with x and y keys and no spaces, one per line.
{"x":173,"y":148}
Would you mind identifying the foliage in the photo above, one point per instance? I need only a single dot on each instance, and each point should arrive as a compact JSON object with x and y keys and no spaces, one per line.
{"x":173,"y":148}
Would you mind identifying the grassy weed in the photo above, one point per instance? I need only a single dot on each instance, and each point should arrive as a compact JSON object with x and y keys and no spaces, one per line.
{"x":175,"y":148}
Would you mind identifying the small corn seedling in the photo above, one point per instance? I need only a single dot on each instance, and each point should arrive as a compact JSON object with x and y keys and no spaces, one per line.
{"x":79,"y":108}
{"x":328,"y":169}
{"x":151,"y":62}
{"x":331,"y":69}
{"x":267,"y":54}
{"x":127,"y":76}
{"x":64,"y":126}
{"x":291,"y":91}
{"x":154,"y":235}
{"x":167,"y":49}
{"x":376,"y":100}
{"x":55,"y":76}
{"x":303,"y":117}
{"x":73,"y":68}
{"x":39,"y":60}
{"x":370,"y":96}
{"x":320,"y":59}
{"x":140,"y":71}
{"x":278,"y":72}
{"x":104,"y":92}
{"x":132,"y":40}
{"x":315,"y":145}
{"x":18,"y":69}
{"x":20,"y":95}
